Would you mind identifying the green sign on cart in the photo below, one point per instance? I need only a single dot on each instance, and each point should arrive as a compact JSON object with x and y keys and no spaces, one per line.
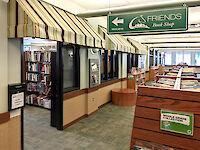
{"x":178,"y":122}
{"x":130,"y":76}
{"x":153,"y":20}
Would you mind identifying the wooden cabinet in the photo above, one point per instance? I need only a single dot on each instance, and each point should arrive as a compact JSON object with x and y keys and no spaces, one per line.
{"x":152,"y":73}
{"x":124,"y":97}
{"x":136,"y":79}
{"x":160,"y":70}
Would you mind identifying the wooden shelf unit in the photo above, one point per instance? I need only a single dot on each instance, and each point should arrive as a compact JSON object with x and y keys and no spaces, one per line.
{"x":153,"y":72}
{"x":161,"y":70}
{"x":146,"y":125}
{"x":138,"y":79}
{"x":38,"y":78}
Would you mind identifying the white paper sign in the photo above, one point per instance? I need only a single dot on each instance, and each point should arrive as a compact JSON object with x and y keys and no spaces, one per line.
{"x":176,"y":118}
{"x":17,"y":100}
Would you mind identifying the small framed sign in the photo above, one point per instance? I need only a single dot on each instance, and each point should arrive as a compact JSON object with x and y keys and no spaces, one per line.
{"x":16,"y":96}
{"x":179,"y":122}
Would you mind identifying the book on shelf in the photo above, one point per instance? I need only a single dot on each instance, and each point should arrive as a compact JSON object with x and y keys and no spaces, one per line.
{"x":32,"y":67}
{"x":37,"y":56}
{"x":46,"y":68}
{"x":32,"y":77}
{"x":166,"y":81}
{"x":190,"y":84}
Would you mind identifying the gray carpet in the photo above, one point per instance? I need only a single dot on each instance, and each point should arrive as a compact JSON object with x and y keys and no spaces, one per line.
{"x":108,"y":129}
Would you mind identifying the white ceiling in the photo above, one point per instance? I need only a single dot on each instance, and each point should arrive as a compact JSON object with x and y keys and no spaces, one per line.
{"x":102,"y":4}
{"x":81,"y":6}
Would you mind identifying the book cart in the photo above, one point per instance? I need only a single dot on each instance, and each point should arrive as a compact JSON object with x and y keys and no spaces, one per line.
{"x":135,"y":79}
{"x":151,"y":101}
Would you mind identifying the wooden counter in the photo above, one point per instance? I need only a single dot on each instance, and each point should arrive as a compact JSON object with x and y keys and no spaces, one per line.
{"x":124,"y":97}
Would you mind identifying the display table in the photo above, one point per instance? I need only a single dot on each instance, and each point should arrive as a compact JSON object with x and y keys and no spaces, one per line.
{"x":124,"y":97}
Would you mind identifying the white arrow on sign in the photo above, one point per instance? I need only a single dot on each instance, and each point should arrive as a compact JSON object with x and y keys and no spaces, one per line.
{"x":116,"y":21}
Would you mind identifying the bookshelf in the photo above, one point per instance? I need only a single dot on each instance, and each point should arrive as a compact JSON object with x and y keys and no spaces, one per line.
{"x":38,"y":78}
{"x":153,"y":72}
{"x":136,"y":79}
{"x":161,"y":70}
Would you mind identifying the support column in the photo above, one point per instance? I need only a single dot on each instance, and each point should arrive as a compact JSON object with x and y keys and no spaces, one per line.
{"x":193,"y":58}
{"x":173,"y":58}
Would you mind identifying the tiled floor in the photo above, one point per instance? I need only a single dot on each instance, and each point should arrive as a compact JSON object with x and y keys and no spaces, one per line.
{"x":108,"y":129}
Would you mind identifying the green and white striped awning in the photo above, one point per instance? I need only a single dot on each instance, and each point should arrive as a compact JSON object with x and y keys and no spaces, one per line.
{"x":35,"y":18}
{"x":115,"y":42}
{"x":140,"y":48}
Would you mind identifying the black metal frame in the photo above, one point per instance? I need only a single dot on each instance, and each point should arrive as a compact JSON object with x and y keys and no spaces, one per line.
{"x":22,"y":80}
{"x":76,"y":49}
{"x":116,"y":73}
{"x":57,"y":83}
{"x":129,"y":64}
{"x":151,"y":57}
{"x":136,"y":60}
{"x":133,"y":60}
{"x":104,"y":76}
{"x":53,"y":90}
{"x":156,"y":58}
{"x":160,"y":59}
{"x":57,"y":111}
{"x":114,"y":65}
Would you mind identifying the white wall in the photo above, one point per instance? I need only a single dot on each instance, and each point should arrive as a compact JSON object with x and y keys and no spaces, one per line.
{"x":120,"y":65}
{"x":98,"y":21}
{"x":84,"y":81}
{"x":124,"y":65}
{"x":14,"y":61}
{"x":3,"y":59}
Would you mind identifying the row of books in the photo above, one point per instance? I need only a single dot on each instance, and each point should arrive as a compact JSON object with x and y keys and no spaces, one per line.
{"x":32,"y":87}
{"x":190,"y":84}
{"x":37,"y":56}
{"x":165,"y":83}
{"x":46,"y":79}
{"x":46,"y":69}
{"x":33,"y":56}
{"x":32,"y":77}
{"x":47,"y":56}
{"x":32,"y":67}
{"x":172,"y":74}
{"x":42,"y":101}
{"x":41,"y":88}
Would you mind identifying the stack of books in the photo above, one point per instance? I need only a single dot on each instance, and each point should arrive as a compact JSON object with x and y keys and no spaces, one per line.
{"x":165,"y":83}
{"x":192,"y":85}
{"x":172,"y":74}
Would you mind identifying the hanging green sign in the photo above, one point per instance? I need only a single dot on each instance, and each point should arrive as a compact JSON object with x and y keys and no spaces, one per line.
{"x":178,"y":122}
{"x":154,"y":20}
